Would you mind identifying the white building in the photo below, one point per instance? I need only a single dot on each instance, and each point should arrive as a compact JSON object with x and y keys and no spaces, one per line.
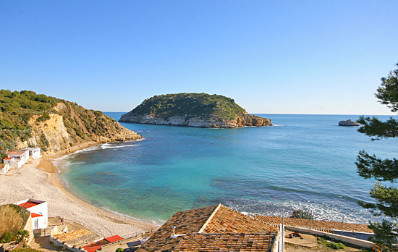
{"x":4,"y":168}
{"x":38,"y":211}
{"x":21,"y":156}
{"x":34,"y":153}
{"x":13,"y":162}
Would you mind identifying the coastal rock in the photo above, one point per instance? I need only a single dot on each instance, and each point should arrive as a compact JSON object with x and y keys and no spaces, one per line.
{"x":349,"y":123}
{"x":74,"y":128}
{"x":193,"y":110}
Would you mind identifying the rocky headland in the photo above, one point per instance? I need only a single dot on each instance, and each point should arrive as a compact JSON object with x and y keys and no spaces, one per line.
{"x":193,"y":110}
{"x":56,"y":126}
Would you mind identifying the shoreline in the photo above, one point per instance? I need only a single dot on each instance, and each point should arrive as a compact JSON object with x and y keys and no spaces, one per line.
{"x":40,"y":179}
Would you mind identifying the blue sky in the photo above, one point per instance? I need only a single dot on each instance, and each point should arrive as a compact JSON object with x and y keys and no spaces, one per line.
{"x":324,"y":57}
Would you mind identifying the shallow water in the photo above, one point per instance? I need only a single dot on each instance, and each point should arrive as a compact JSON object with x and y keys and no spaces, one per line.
{"x":305,"y":162}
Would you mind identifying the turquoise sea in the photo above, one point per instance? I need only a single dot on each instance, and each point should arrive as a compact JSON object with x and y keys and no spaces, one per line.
{"x":303,"y":162}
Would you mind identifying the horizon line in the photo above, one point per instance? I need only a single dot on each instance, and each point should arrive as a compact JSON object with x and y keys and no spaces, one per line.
{"x":288,"y":113}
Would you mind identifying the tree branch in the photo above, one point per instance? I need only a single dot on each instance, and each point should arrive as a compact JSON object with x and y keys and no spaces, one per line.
{"x":369,"y":166}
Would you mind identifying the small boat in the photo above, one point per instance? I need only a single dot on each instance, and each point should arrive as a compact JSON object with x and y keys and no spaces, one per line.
{"x":348,"y":123}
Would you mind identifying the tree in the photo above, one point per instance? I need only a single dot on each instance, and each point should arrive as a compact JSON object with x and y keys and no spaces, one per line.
{"x":383,"y":170}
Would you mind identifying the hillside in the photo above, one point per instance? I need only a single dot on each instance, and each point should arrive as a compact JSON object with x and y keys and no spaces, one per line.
{"x":193,"y":110}
{"x":56,"y":126}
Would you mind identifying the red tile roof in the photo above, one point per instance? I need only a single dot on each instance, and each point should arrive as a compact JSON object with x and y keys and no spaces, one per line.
{"x":225,"y":242}
{"x":207,"y":228}
{"x":114,"y":238}
{"x":314,"y":224}
{"x":7,"y":158}
{"x":92,"y":247}
{"x":34,"y":215}
{"x":30,"y":203}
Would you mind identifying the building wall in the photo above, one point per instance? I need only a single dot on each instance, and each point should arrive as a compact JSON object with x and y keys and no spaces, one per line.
{"x":28,"y":227}
{"x":34,"y":153}
{"x":5,"y":169}
{"x":14,"y":163}
{"x":41,"y":209}
{"x":39,"y":222}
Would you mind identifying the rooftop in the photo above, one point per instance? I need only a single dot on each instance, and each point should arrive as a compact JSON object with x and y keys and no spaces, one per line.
{"x":15,"y":153}
{"x":92,"y":247}
{"x":114,"y":238}
{"x":228,"y":241}
{"x":30,"y":203}
{"x":34,"y":215}
{"x":214,"y":226}
{"x":315,"y":224}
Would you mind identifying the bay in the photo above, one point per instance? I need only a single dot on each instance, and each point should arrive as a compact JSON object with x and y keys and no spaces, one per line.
{"x":303,"y":162}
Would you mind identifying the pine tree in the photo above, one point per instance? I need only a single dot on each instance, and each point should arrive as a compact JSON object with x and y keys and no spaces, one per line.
{"x":383,"y":170}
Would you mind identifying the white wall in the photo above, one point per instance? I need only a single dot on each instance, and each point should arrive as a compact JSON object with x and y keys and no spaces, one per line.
{"x":34,"y":153}
{"x":13,"y":163}
{"x":41,"y":209}
{"x":5,"y":169}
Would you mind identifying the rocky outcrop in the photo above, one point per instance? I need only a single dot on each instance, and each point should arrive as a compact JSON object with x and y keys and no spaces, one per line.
{"x":73,"y":128}
{"x":245,"y":120}
{"x":193,"y":110}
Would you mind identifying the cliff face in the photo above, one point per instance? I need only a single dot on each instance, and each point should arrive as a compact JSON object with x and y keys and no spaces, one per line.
{"x":193,"y":110}
{"x":56,"y":126}
{"x":73,"y":128}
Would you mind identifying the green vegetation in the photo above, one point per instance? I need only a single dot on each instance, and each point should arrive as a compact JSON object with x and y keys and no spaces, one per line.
{"x":16,"y":109}
{"x":12,"y":220}
{"x":25,"y":250}
{"x":119,"y":250}
{"x":329,"y":244}
{"x":190,"y":104}
{"x":382,"y":170}
{"x":21,"y":111}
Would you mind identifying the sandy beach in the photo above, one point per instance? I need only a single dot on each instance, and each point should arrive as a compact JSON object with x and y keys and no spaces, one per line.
{"x":39,"y":179}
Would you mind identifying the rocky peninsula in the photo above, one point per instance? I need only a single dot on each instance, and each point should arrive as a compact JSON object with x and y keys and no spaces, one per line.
{"x":193,"y":110}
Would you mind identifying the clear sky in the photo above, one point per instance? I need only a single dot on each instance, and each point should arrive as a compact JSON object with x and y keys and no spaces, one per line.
{"x":301,"y":56}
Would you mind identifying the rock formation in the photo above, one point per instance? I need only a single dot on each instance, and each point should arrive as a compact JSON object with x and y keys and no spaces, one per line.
{"x":193,"y":110}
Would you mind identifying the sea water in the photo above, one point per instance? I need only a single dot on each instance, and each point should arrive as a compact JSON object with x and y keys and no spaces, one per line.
{"x":303,"y":162}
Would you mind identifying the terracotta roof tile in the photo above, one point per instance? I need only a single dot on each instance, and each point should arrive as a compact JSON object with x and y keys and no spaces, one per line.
{"x":204,"y":229}
{"x":227,"y":220}
{"x":226,"y":242}
{"x":114,"y":238}
{"x":186,"y":222}
{"x":315,"y":224}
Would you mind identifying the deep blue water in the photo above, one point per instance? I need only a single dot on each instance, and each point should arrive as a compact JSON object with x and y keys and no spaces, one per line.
{"x":304,"y":162}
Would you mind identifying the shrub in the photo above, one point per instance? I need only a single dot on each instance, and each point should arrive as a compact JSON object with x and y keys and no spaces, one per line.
{"x":44,"y":117}
{"x":328,"y":244}
{"x":25,"y":250}
{"x":44,"y":141}
{"x":119,"y":250}
{"x":12,"y":218}
{"x":7,"y":237}
{"x":335,"y":245}
{"x":22,"y":235}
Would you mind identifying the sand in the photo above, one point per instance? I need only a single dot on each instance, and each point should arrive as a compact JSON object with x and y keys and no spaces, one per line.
{"x":39,"y":179}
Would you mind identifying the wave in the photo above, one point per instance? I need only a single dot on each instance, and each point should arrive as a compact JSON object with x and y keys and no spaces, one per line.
{"x":328,"y":212}
{"x":115,"y":146}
